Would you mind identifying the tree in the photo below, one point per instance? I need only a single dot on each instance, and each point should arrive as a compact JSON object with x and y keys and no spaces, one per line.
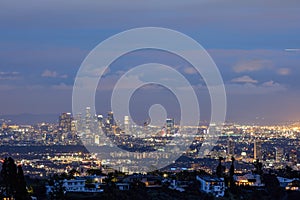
{"x":272,"y":186}
{"x":258,"y":167}
{"x":13,"y":182}
{"x":97,"y":172}
{"x":73,"y":172}
{"x":58,"y":189}
{"x":9,"y":177}
{"x":21,"y":191}
{"x":220,"y":168}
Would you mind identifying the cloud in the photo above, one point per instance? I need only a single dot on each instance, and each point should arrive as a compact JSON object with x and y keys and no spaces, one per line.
{"x":253,"y":65}
{"x":190,"y":70}
{"x":53,"y":74}
{"x":50,"y":74}
{"x":292,"y":50}
{"x":270,"y":84}
{"x":64,"y":76}
{"x":9,"y":75}
{"x":244,"y":79}
{"x":62,"y":86}
{"x":251,"y":88}
{"x":283,"y":71}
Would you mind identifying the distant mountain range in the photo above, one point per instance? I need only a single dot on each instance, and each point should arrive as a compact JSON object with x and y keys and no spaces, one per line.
{"x":30,"y":118}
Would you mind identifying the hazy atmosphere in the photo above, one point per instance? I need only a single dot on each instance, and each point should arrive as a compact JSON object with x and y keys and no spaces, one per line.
{"x":254,"y":44}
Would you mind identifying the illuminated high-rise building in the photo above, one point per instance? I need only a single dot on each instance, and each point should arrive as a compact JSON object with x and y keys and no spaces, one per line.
{"x":100,"y":117}
{"x":126,"y":124}
{"x":110,"y":118}
{"x":170,"y":124}
{"x":97,"y":139}
{"x":257,"y":150}
{"x":87,"y":118}
{"x":65,"y":122}
{"x":100,"y":120}
{"x":110,"y":122}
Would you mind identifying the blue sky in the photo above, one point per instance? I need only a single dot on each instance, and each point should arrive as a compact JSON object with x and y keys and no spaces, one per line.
{"x":43,"y":43}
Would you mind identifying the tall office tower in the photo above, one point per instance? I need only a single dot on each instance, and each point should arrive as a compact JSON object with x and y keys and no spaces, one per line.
{"x":73,"y":126}
{"x":126,"y":124}
{"x":257,"y":150}
{"x":65,"y":122}
{"x":230,"y":147}
{"x":100,"y":119}
{"x":78,"y":122}
{"x":279,"y":154}
{"x":110,"y":118}
{"x":170,"y":125}
{"x":97,"y":139}
{"x":87,"y":117}
{"x":73,"y":129}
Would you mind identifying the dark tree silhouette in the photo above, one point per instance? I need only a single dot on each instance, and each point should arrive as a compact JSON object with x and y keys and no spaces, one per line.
{"x":9,"y":177}
{"x":273,"y":186}
{"x":258,"y":167}
{"x":220,"y":168}
{"x":58,"y":190}
{"x":72,"y":173}
{"x":13,"y":183}
{"x":97,"y":172}
{"x":21,"y":191}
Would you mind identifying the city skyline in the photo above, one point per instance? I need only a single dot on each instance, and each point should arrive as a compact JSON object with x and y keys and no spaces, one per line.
{"x":275,"y":146}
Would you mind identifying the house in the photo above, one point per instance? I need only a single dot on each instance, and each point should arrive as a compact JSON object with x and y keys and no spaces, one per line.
{"x":284,"y":181}
{"x":150,"y":181}
{"x":294,"y":185}
{"x":95,"y":178}
{"x":253,"y":180}
{"x":75,"y":185}
{"x":211,"y":185}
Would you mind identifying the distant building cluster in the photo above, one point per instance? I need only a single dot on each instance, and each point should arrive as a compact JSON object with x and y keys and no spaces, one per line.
{"x":45,"y":149}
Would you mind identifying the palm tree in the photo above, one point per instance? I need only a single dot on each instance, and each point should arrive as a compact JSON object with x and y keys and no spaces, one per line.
{"x":220,"y":168}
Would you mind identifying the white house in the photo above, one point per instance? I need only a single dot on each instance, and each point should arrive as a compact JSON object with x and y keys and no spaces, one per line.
{"x":212,"y":185}
{"x":75,"y":185}
{"x":248,"y":180}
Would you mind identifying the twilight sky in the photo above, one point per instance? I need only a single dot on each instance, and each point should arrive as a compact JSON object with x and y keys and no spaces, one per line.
{"x":255,"y":44}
